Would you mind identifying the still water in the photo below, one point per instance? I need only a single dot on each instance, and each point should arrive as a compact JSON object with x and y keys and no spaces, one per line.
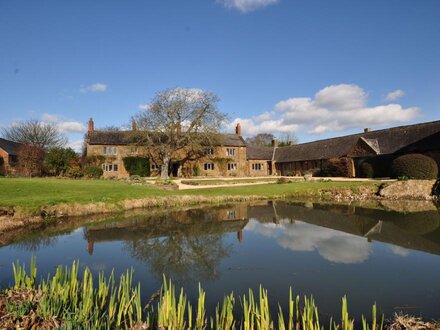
{"x":370,"y":255}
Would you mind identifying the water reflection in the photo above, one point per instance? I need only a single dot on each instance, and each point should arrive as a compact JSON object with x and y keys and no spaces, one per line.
{"x":184,"y":245}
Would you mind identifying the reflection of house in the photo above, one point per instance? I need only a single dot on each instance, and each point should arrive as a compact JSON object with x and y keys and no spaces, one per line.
{"x":233,"y":157}
{"x":8,"y":155}
{"x":417,"y":231}
{"x":193,"y":222}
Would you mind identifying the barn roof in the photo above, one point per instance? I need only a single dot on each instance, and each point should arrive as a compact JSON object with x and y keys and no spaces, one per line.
{"x":418,"y":137}
{"x":259,"y":153}
{"x":9,"y":146}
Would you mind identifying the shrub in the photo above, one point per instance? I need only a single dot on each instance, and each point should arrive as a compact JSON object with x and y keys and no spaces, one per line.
{"x":58,"y":160}
{"x":137,"y":166}
{"x":93,"y":172}
{"x":196,"y":171}
{"x":414,"y":166}
{"x":337,"y":167}
{"x":30,"y":160}
{"x":74,"y":172}
{"x":366,"y":170}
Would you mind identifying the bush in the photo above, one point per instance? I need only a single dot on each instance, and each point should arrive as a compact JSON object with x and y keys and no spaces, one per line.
{"x":337,"y":167}
{"x":93,"y":172}
{"x":30,"y":160}
{"x":414,"y":166}
{"x":366,"y":170}
{"x":196,"y":171}
{"x":74,"y":172}
{"x":137,"y":166}
{"x":58,"y":160}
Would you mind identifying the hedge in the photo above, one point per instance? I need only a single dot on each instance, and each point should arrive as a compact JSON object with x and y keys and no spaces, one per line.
{"x":137,"y":166}
{"x":414,"y":166}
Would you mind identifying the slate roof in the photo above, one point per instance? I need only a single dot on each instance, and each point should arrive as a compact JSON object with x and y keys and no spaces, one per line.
{"x":9,"y":146}
{"x":410,"y":138}
{"x":127,"y":137}
{"x":259,"y":153}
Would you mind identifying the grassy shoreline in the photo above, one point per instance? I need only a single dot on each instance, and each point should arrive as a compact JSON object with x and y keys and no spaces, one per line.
{"x":25,"y":202}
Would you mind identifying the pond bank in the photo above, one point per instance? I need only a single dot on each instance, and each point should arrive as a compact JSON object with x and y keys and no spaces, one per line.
{"x":14,"y":217}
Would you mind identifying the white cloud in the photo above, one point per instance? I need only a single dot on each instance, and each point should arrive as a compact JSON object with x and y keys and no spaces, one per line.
{"x":247,"y":5}
{"x":332,"y":245}
{"x":94,"y":88}
{"x":333,"y":108}
{"x":65,"y":126}
{"x":394,"y":95}
{"x":76,"y":145}
{"x":145,"y":106}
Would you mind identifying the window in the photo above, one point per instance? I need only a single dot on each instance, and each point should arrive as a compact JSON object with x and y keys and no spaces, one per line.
{"x":230,"y":152}
{"x":209,"y":151}
{"x":232,"y":166}
{"x":154,"y":167}
{"x":208,"y":166}
{"x":109,"y":151}
{"x":110,"y":167}
{"x":231,"y":214}
{"x":133,"y":150}
{"x":257,"y":167}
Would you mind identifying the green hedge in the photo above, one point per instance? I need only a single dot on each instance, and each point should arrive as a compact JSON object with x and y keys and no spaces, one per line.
{"x":414,"y":166}
{"x":93,"y":172}
{"x":137,"y":166}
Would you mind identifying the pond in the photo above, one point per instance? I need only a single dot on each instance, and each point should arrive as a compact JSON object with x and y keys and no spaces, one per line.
{"x":391,"y":257}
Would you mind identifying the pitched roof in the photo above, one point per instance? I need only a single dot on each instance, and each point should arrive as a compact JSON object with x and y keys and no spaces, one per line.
{"x":127,"y":137}
{"x":9,"y":146}
{"x":259,"y":153}
{"x":418,"y":137}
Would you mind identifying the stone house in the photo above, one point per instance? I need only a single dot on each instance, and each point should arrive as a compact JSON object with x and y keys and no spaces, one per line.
{"x":231,"y":157}
{"x":8,"y":156}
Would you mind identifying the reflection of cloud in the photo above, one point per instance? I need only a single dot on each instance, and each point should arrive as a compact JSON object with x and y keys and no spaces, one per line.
{"x":332,"y":245}
{"x":400,"y":251}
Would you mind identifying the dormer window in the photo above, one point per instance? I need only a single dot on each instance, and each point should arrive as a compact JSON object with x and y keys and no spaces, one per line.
{"x":230,"y":152}
{"x":109,"y":151}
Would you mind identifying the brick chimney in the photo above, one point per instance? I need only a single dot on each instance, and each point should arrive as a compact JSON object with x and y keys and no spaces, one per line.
{"x":238,"y":129}
{"x":274,"y":143}
{"x":133,"y":125}
{"x":366,"y":130}
{"x":91,"y":126}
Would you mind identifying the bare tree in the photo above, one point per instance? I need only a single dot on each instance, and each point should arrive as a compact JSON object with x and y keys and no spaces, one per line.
{"x":287,"y":139}
{"x":35,"y":132}
{"x":178,"y":125}
{"x":261,"y":140}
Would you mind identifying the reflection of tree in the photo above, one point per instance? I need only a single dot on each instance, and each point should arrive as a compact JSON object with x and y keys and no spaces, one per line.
{"x":186,"y":255}
{"x":36,"y":243}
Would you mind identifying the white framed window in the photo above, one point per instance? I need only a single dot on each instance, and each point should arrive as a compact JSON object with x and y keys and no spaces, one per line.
{"x":232,"y":214}
{"x":106,"y":167}
{"x":155,"y":167}
{"x":232,"y":166}
{"x":208,"y":166}
{"x":209,"y":151}
{"x":109,"y":150}
{"x":257,"y":166}
{"x":230,"y":152}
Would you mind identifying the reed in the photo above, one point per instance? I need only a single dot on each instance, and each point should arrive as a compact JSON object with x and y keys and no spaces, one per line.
{"x":100,"y":303}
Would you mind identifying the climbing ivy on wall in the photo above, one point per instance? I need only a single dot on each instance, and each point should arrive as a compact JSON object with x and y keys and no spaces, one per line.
{"x":137,"y":166}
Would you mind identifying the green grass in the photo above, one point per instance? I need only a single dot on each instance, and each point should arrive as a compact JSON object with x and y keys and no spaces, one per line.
{"x":207,"y":182}
{"x":37,"y":192}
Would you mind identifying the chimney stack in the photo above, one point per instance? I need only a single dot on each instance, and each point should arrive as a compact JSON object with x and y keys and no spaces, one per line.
{"x":274,"y":143}
{"x":91,"y":126}
{"x":238,"y":129}
{"x":366,"y":130}
{"x":133,"y":125}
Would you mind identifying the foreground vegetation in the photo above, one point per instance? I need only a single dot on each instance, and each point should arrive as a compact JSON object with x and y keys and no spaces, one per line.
{"x":38,"y":192}
{"x":65,"y":301}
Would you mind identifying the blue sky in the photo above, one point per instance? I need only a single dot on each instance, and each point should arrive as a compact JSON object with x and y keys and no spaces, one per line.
{"x":316,"y":68}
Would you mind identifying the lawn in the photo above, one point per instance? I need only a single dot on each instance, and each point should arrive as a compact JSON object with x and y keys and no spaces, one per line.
{"x":37,"y":192}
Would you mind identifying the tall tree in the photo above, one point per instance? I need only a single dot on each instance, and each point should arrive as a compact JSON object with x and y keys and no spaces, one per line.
{"x":261,"y":140}
{"x":178,"y":125}
{"x":287,"y":139}
{"x":35,"y":132}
